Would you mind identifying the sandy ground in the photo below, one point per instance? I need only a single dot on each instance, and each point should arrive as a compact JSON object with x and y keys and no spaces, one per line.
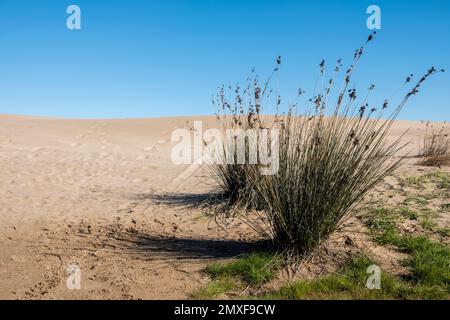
{"x":104,"y":195}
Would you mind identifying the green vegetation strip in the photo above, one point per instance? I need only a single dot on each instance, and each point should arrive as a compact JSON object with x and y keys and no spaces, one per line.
{"x":428,"y":260}
{"x":440,"y":178}
{"x":428,"y":263}
{"x":251,"y":269}
{"x":349,"y":283}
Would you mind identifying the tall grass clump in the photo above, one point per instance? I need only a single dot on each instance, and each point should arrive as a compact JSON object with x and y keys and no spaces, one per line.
{"x":240,"y":113}
{"x":333,"y":150}
{"x":435,"y":146}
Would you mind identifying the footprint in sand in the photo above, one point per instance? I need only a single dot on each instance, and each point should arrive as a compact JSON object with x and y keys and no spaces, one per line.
{"x":149,"y":149}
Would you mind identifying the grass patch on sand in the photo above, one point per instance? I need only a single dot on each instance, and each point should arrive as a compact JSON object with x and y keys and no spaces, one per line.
{"x":427,"y":220}
{"x":214,"y":289}
{"x":252,"y":269}
{"x":420,"y":200}
{"x":255,"y":268}
{"x":384,"y":223}
{"x":428,"y":261}
{"x":383,"y":226}
{"x":350,"y":283}
{"x":439,"y":178}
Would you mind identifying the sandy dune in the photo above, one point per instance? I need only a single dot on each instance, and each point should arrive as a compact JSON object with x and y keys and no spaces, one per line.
{"x":101,"y":194}
{"x":91,"y":192}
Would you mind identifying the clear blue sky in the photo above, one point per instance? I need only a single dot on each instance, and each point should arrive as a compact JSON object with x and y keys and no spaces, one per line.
{"x":147,"y":58}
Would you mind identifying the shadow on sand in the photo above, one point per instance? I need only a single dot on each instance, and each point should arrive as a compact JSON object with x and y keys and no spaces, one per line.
{"x":183,"y":200}
{"x":155,"y":247}
{"x":150,"y":247}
